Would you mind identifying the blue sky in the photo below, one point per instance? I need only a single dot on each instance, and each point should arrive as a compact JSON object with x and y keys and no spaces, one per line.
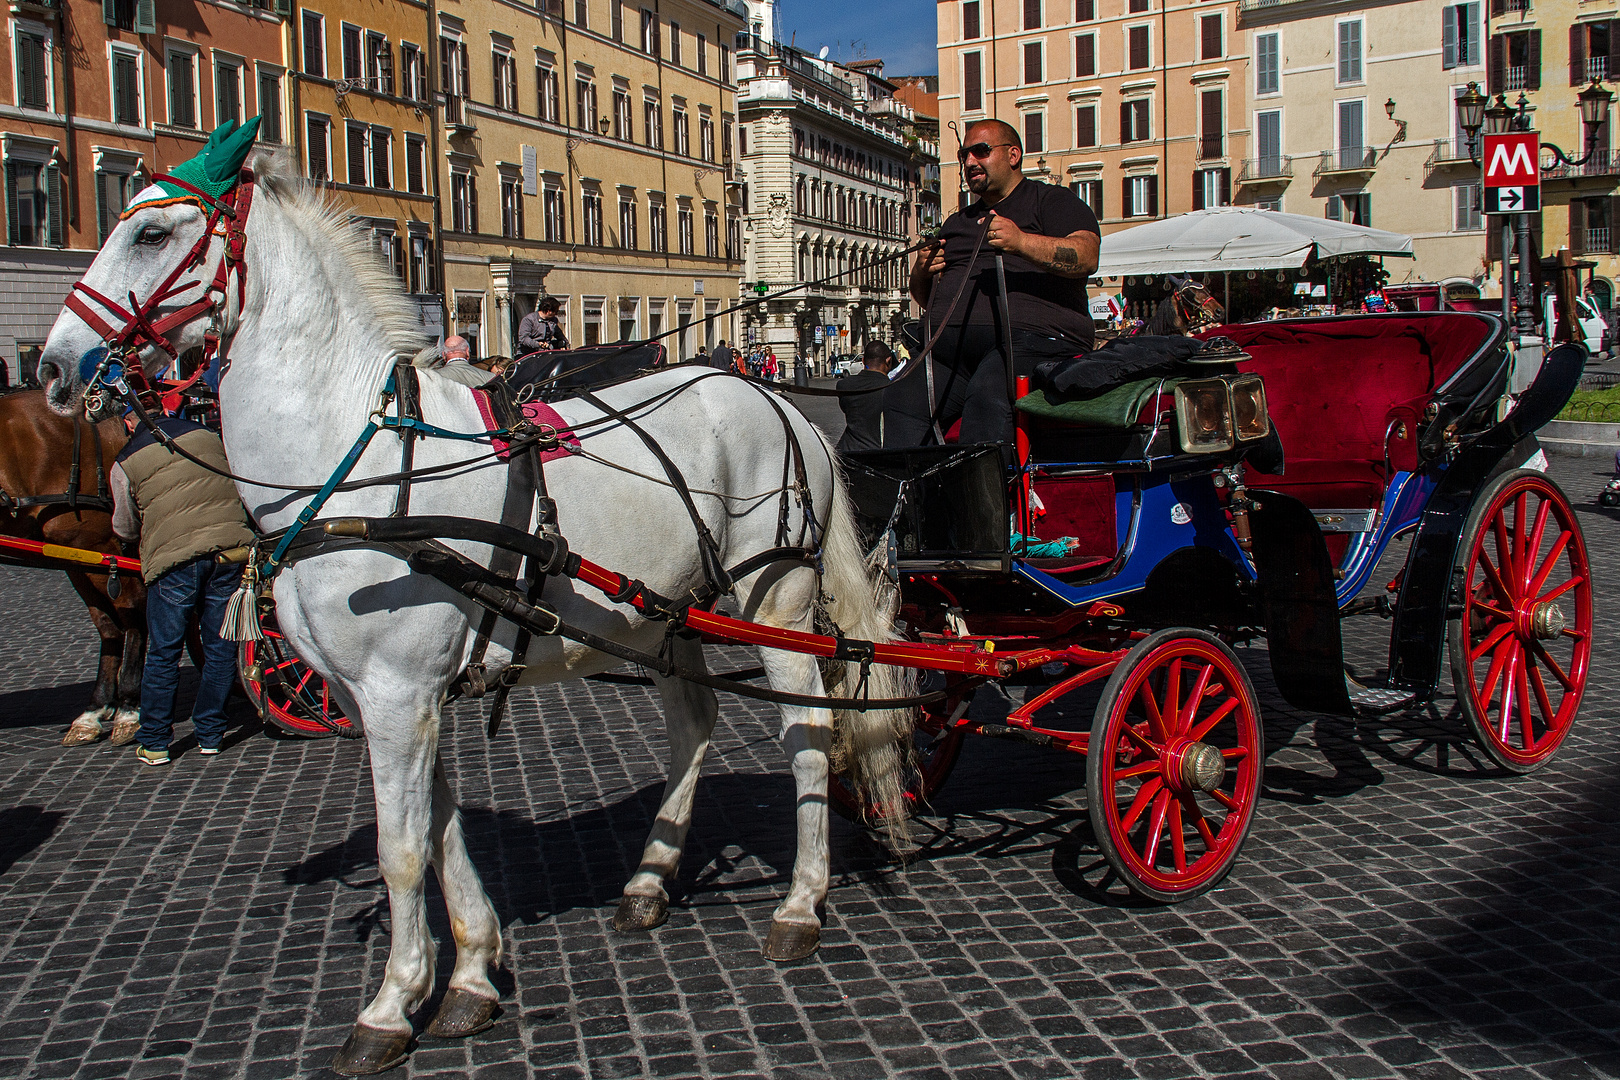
{"x":901,"y":32}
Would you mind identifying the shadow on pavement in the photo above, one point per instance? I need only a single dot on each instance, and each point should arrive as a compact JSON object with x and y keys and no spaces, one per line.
{"x":24,"y":828}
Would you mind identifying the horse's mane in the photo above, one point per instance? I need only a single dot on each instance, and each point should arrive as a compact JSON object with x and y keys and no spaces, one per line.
{"x":318,"y":216}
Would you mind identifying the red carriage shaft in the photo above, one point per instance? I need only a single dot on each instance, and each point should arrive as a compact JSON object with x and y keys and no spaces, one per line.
{"x":80,"y":558}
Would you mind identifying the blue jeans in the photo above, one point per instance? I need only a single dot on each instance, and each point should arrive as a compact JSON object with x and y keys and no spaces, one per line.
{"x":203,"y":588}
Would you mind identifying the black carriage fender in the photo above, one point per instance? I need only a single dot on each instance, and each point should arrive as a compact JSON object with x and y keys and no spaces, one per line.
{"x":1299,"y":605}
{"x":1418,"y":643}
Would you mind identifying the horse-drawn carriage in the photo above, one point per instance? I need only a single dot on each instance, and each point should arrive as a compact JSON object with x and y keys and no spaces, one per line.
{"x":1187,"y":533}
{"x":399,"y":577}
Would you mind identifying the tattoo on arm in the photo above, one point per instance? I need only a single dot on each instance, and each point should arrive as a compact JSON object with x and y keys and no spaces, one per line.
{"x":1065,"y":258}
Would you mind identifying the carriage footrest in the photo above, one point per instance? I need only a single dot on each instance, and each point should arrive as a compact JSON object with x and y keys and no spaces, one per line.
{"x":1378,"y":699}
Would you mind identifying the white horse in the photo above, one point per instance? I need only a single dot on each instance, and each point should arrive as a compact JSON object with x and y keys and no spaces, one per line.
{"x":320,"y":329}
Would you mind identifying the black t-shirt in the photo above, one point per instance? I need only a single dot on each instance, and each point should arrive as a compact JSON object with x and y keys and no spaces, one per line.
{"x":1037,"y":300}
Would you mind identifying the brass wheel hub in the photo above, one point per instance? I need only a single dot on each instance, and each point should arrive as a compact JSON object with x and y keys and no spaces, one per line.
{"x":1547,"y":620}
{"x":1203,"y":767}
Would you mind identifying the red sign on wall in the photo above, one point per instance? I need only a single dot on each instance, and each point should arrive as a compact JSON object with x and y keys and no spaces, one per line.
{"x":1513,"y":173}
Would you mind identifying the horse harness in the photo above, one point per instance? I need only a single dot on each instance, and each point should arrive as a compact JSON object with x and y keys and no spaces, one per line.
{"x":526,"y":492}
{"x":72,"y":498}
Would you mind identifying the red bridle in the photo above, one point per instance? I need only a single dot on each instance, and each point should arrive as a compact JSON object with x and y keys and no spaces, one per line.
{"x":139,"y":329}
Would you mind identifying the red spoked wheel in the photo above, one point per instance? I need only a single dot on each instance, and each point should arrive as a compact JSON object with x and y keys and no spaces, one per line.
{"x":935,"y":749}
{"x":286,"y":691}
{"x":1521,"y":639}
{"x":1173,"y":765}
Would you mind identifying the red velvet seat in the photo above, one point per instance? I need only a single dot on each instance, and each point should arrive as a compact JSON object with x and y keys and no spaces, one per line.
{"x":1346,"y":393}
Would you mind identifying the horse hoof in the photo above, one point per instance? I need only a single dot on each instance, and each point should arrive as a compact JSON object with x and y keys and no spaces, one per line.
{"x":640,"y":913}
{"x":462,"y":1013}
{"x":123,"y":732}
{"x":791,"y":941}
{"x":370,"y":1050}
{"x":82,"y":734}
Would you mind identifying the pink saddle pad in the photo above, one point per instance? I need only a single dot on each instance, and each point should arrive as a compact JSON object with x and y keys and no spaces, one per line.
{"x":538,"y":413}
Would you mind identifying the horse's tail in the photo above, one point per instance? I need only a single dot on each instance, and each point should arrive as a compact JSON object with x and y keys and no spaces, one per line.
{"x":872,"y":748}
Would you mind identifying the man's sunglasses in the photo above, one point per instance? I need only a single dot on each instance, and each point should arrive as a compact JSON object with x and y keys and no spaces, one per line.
{"x":980,"y":150}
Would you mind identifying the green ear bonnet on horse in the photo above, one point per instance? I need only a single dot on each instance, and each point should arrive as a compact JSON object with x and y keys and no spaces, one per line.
{"x":214,"y":171}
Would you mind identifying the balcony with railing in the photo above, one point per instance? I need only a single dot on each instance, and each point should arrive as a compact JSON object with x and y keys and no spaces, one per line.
{"x":1211,"y":147}
{"x":1348,"y":159}
{"x":1517,"y":77}
{"x":1450,"y":153}
{"x":457,"y":117}
{"x":1602,"y":163}
{"x":1272,"y":169}
{"x":1597,"y":67}
{"x":1598,"y":241}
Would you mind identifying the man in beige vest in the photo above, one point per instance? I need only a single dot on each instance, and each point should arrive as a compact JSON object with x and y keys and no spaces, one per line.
{"x":183,"y":514}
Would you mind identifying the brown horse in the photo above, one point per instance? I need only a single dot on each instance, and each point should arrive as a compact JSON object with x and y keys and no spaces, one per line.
{"x":36,"y":471}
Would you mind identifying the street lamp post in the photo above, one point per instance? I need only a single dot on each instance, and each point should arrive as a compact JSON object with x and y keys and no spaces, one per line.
{"x":1473,"y":113}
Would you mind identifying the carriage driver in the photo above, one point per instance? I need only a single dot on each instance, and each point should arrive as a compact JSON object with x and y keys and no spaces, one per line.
{"x":183,"y":514}
{"x":1048,"y":239}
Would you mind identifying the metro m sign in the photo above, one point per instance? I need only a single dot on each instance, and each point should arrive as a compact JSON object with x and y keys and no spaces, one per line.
{"x":1513,"y":173}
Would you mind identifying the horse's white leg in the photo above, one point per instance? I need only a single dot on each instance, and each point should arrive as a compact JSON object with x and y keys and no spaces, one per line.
{"x":469,"y":1005}
{"x":403,"y":747}
{"x":807,"y":736}
{"x":689,"y":715}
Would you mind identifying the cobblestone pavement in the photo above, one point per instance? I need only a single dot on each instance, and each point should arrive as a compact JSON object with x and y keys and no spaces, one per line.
{"x":1399,"y":910}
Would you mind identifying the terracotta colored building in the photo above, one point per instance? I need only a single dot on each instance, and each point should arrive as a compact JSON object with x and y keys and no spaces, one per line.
{"x":1138,"y":105}
{"x":98,"y":97}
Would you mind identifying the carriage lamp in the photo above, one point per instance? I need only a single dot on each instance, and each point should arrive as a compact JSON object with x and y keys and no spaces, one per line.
{"x":1250,"y":418}
{"x":1204,"y":416}
{"x":1472,"y":114}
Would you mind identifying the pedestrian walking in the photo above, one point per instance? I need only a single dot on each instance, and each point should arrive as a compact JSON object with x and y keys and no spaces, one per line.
{"x":722,"y":357}
{"x":183,"y":514}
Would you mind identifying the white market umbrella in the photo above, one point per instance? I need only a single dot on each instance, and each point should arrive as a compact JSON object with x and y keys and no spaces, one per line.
{"x":1239,"y":238}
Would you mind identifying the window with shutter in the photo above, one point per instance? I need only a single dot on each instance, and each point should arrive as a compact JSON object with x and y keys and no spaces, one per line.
{"x":314,"y":44}
{"x":1032,"y":62}
{"x":1140,"y":48}
{"x":1085,"y":11}
{"x":1577,"y":227}
{"x":351,"y":52}
{"x":1209,"y":27}
{"x":227,"y":92}
{"x":1496,"y":67}
{"x":1212,"y":137}
{"x":1085,"y":126}
{"x":382,"y":157}
{"x":970,"y":20}
{"x":1032,"y":14}
{"x":1085,"y":55}
{"x":1349,"y":51}
{"x":355,"y":145}
{"x":415,"y":165}
{"x":317,"y":145}
{"x":33,"y":72}
{"x":972,"y":82}
{"x":182,"y":90}
{"x":1034,"y":132}
{"x":1267,"y":67}
{"x":126,"y":88}
{"x":56,"y":221}
{"x":13,"y":211}
{"x":145,"y":21}
{"x":270,"y":106}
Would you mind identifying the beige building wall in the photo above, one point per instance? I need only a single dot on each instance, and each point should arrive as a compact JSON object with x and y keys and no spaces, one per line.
{"x":1344,"y":155}
{"x":1139,"y":104}
{"x":628,"y":211}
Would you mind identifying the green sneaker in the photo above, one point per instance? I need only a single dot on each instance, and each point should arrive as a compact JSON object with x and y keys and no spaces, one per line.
{"x":152,"y":757}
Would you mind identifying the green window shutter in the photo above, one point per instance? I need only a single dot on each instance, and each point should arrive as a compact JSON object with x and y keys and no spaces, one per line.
{"x":55,"y":225}
{"x":109,"y":12}
{"x":146,"y":16}
{"x":11,"y":203}
{"x":102,"y":227}
{"x":284,"y":8}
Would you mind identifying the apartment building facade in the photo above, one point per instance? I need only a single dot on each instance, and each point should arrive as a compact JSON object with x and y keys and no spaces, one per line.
{"x":1138,"y":105}
{"x":1548,"y":51}
{"x":1350,"y":106}
{"x":833,"y":164}
{"x":587,"y":154}
{"x":98,"y":97}
{"x":367,"y":128}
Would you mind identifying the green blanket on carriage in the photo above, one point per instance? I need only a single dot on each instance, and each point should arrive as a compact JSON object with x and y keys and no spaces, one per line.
{"x":1117,"y":407}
